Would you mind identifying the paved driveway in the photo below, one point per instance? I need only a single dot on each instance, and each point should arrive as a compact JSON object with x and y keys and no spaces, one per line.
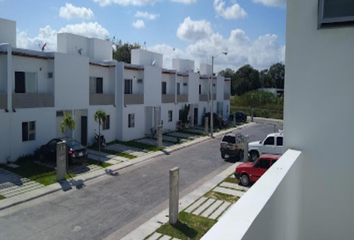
{"x":105,"y":206}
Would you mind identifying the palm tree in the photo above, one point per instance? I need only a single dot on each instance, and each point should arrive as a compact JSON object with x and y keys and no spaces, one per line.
{"x":68,"y":122}
{"x":100,"y":117}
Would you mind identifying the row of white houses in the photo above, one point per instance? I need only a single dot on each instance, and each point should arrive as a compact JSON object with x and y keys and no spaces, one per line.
{"x":37,"y":87}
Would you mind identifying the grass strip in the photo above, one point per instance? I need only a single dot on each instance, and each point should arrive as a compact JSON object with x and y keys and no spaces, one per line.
{"x":188,"y":227}
{"x":95,"y":162}
{"x":2,"y":197}
{"x":111,"y":152}
{"x":148,"y":147}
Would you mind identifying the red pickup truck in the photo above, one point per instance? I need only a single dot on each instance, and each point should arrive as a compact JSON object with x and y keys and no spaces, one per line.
{"x":252,"y":171}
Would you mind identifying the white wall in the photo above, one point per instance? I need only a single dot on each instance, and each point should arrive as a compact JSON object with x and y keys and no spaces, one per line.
{"x":8,"y":32}
{"x":205,"y":69}
{"x":5,"y":136}
{"x":170,"y":83}
{"x":139,"y":130}
{"x":94,"y":48}
{"x":37,"y":66}
{"x":110,"y":134}
{"x":205,"y":86}
{"x":3,"y":73}
{"x":71,"y":81}
{"x":219,"y":88}
{"x":152,"y":86}
{"x":119,"y":96}
{"x":138,"y":88}
{"x":169,"y":126}
{"x":227,"y":87}
{"x":193,"y":88}
{"x":144,"y":57}
{"x":108,"y":78}
{"x":183,"y":89}
{"x":45,"y":119}
{"x":183,"y":65}
{"x":319,"y":84}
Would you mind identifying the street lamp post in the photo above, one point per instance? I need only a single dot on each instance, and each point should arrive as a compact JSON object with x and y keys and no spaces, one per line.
{"x":212,"y":95}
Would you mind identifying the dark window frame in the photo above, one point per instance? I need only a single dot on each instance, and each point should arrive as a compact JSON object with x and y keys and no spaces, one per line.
{"x":28,"y":134}
{"x":265,"y":141}
{"x":328,"y":22}
{"x":106,"y":124}
{"x":99,"y":85}
{"x":128,"y":88}
{"x":170,"y":116}
{"x":131,"y":120}
{"x":164,"y":88}
{"x":280,"y":144}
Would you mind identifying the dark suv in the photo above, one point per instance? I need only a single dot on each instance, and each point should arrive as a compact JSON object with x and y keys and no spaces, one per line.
{"x":230,"y":146}
{"x":240,"y":117}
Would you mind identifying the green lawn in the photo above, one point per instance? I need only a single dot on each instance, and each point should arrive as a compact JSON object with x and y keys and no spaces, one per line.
{"x":95,"y":162}
{"x":135,"y":144}
{"x":31,"y":170}
{"x":222,"y":197}
{"x":189,"y":227}
{"x":119,"y":154}
{"x":2,"y":197}
{"x":232,"y":180}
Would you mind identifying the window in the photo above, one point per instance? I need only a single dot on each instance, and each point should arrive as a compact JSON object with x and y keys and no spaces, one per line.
{"x":263,"y":163}
{"x":178,"y":88}
{"x":334,"y":12}
{"x":131,"y":120}
{"x":128,"y":86}
{"x":25,"y":82}
{"x":200,"y":89}
{"x":28,"y":131}
{"x":185,"y":84}
{"x":170,"y":116}
{"x":140,"y":80}
{"x":269,"y":141}
{"x":106,"y":124}
{"x":279,"y":141}
{"x":180,"y":114}
{"x":229,"y":139}
{"x":99,"y":85}
{"x":50,"y":75}
{"x":164,"y":87}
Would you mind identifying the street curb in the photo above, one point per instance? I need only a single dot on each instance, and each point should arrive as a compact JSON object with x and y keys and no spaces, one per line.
{"x":26,"y":197}
{"x":157,"y":221}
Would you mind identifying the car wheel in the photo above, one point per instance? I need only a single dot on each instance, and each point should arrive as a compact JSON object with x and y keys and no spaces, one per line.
{"x":222,"y":155}
{"x":245,"y":180}
{"x":254,"y":155}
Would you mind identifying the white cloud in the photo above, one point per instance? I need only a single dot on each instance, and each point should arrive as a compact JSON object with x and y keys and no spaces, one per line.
{"x":147,"y":15}
{"x":260,"y":53}
{"x":138,"y":24}
{"x":233,"y":12}
{"x":70,"y":11}
{"x":272,"y":3}
{"x":138,"y":2}
{"x":49,"y":35}
{"x":191,"y":30}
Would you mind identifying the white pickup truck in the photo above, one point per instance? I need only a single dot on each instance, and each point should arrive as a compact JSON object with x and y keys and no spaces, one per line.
{"x":272,"y":144}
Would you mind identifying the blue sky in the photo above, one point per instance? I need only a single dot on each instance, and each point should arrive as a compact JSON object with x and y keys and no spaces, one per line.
{"x":260,"y":37}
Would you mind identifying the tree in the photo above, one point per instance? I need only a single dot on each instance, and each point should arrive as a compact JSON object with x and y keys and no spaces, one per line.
{"x":246,"y":79}
{"x":266,"y":80}
{"x":68,"y":122}
{"x":185,"y":113}
{"x":122,"y":51}
{"x":100,"y":117}
{"x":277,"y":74}
{"x":229,"y":73}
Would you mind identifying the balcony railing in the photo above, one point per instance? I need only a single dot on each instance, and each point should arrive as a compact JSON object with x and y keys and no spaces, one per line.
{"x":270,"y":209}
{"x":3,"y":100}
{"x":226,"y":96}
{"x":203,"y":97}
{"x":168,"y":98}
{"x":101,"y":99}
{"x":32,"y":100}
{"x":133,"y":99}
{"x":182,"y":98}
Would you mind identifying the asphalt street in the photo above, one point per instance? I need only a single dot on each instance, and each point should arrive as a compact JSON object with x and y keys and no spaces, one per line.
{"x":111,"y":203}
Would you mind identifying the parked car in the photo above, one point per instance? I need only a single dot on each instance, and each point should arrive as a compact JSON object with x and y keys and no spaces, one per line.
{"x":218,"y":120}
{"x":251,"y":171}
{"x":272,"y":144}
{"x":76,"y":152}
{"x":240,"y":117}
{"x":231,"y":146}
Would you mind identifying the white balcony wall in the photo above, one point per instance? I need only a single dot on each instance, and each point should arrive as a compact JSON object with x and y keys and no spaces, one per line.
{"x":138,"y":88}
{"x":3,"y":73}
{"x":227,"y":87}
{"x":204,"y":86}
{"x":170,"y":83}
{"x":193,"y":88}
{"x":152,"y":86}
{"x":106,"y":74}
{"x":71,"y":81}
{"x":182,"y":81}
{"x":271,"y":209}
{"x":39,"y":67}
{"x":319,"y":84}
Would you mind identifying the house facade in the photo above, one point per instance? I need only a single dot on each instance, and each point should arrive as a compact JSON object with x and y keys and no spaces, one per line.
{"x":308,"y":193}
{"x":37,"y":88}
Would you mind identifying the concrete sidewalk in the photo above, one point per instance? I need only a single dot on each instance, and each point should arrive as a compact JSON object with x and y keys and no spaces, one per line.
{"x":9,"y":202}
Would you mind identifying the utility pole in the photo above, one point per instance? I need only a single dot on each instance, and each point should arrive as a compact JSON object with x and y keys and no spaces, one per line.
{"x":212,"y":99}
